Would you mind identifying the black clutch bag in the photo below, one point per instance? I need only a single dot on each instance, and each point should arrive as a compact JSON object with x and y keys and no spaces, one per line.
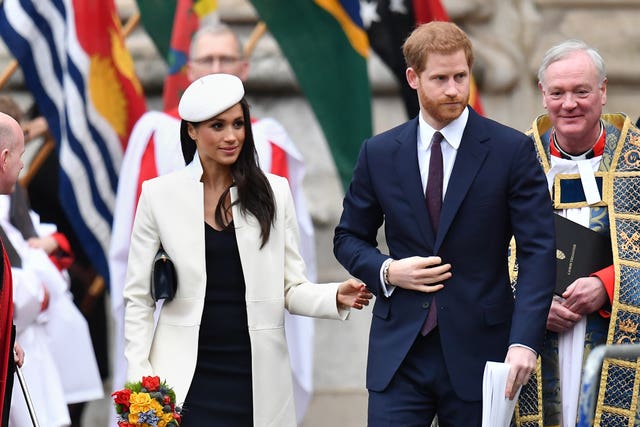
{"x":164,"y":280}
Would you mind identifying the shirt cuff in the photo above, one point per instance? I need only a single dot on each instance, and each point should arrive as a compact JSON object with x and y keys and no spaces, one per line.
{"x":524,"y":346}
{"x":387,"y":290}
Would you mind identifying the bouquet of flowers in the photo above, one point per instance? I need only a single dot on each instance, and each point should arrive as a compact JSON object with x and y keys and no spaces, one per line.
{"x":147,"y":403}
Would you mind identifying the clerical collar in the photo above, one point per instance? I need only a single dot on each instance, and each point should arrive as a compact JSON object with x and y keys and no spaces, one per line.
{"x":595,"y":151}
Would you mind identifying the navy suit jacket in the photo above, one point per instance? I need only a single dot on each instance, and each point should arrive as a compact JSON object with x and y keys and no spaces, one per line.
{"x":497,"y":190}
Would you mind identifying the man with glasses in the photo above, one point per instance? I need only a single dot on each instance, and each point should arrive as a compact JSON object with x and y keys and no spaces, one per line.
{"x":592,"y":163}
{"x":154,"y":149}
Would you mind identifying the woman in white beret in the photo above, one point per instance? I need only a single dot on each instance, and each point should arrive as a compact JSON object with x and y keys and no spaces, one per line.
{"x":231,"y":233}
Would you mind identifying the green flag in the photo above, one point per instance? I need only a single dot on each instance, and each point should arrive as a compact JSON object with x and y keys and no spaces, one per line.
{"x":157,"y":19}
{"x":326,"y":47}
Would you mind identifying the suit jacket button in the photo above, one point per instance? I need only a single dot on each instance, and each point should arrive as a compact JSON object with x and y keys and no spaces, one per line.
{"x":425,"y":305}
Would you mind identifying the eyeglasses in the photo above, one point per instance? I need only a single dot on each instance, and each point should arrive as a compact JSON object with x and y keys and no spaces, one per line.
{"x":222,"y":60}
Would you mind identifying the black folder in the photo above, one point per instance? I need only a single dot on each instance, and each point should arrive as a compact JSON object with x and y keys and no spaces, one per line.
{"x":580,"y":252}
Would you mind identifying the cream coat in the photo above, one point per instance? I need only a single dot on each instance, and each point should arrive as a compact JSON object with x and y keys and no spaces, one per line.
{"x":171,"y":211}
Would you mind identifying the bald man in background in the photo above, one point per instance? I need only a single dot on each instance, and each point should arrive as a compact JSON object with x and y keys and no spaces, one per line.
{"x":11,"y":354}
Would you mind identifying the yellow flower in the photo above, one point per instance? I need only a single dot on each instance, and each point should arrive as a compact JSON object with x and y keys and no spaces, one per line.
{"x":156,"y":406}
{"x":166,"y":417}
{"x":140,"y":402}
{"x":133,"y":418}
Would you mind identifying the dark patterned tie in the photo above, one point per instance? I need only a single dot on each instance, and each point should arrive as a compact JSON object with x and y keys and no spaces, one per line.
{"x":434,"y":181}
{"x":434,"y":204}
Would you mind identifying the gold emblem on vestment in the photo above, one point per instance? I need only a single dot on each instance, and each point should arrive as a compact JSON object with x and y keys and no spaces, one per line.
{"x":629,"y":330}
{"x":632,"y":158}
{"x":629,"y":242}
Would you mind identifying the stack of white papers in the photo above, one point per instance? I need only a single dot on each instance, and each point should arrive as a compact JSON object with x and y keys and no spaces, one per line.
{"x":497,"y":410}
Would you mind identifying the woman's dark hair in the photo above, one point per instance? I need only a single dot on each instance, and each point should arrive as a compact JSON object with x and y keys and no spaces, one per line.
{"x":254,"y":192}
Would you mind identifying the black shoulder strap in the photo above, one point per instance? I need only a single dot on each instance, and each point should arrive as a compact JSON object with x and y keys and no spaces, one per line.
{"x":14,"y":258}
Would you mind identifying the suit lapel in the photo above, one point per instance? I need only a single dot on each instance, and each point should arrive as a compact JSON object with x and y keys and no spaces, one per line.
{"x":406,"y":166}
{"x":469,"y":159}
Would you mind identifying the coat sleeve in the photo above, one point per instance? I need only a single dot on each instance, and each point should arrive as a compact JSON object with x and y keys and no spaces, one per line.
{"x":355,"y":243}
{"x":301,"y":296}
{"x":531,"y":215}
{"x":139,"y":305}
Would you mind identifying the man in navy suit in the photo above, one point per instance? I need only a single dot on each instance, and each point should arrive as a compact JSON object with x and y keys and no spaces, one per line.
{"x":447,"y":260}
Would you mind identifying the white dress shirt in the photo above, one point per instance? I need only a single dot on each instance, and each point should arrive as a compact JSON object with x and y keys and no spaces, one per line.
{"x":452,"y":134}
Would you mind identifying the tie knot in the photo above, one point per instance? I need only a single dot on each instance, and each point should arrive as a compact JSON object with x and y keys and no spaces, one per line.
{"x":437,"y":138}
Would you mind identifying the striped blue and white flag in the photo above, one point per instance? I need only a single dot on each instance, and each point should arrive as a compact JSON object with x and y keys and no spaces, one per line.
{"x":82,"y":78}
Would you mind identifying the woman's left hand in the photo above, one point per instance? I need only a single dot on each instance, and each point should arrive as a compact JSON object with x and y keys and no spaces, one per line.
{"x":352,"y":293}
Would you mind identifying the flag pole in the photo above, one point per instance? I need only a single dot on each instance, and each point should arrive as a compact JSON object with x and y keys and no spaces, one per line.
{"x":256,"y":34}
{"x":128,"y":27}
{"x":131,"y":24}
{"x":8,"y":72}
{"x":38,"y":160}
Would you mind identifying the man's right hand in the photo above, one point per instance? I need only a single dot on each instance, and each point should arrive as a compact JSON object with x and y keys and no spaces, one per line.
{"x":422,"y":274}
{"x":560,"y":318}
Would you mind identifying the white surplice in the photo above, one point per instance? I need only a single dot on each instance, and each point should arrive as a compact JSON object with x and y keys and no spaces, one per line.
{"x":60,"y":365}
{"x":571,"y":343}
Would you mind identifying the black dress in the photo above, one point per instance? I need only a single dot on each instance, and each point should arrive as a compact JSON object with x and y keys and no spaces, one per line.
{"x":220,"y":393}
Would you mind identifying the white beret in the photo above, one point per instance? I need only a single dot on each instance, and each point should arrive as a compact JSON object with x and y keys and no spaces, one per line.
{"x":209,"y":96}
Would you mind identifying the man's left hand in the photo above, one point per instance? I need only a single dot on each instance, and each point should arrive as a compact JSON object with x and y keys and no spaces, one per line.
{"x":522,"y":362}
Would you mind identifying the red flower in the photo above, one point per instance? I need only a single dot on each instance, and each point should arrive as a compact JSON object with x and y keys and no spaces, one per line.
{"x":125,"y":424}
{"x":177,"y":417}
{"x":166,"y":399}
{"x":122,"y":397}
{"x":151,"y":383}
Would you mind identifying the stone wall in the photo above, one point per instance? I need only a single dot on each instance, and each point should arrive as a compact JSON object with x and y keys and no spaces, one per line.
{"x":509,"y":38}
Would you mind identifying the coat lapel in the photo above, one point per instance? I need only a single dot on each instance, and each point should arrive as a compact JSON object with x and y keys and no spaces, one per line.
{"x":469,"y":159}
{"x":406,"y":166}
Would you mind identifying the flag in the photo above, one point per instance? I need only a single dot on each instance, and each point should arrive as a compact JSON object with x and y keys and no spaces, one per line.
{"x":184,"y":17}
{"x":83,"y":80}
{"x":388,"y":24}
{"x":327,"y":48}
